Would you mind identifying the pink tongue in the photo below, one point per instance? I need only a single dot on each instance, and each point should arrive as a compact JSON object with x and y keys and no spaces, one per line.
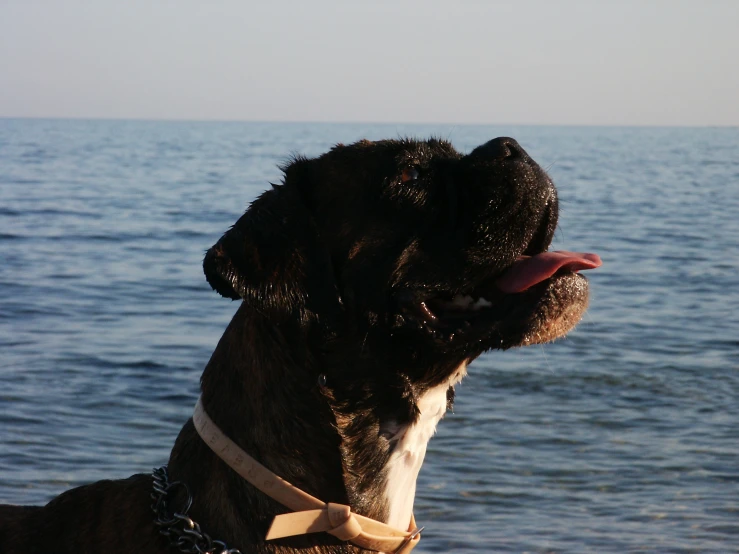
{"x":527,"y":271}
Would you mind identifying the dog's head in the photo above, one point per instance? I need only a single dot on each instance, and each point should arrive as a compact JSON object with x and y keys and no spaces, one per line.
{"x":420,"y":257}
{"x":382,"y":269}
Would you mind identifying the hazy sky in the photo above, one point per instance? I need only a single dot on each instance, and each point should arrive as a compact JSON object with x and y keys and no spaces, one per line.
{"x":632,"y":62}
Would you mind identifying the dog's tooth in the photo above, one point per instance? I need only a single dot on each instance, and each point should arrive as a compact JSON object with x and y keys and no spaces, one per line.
{"x":461,"y":301}
{"x":482,"y":303}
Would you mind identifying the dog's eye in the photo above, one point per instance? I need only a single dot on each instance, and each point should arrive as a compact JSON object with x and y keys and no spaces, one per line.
{"x":409,"y":174}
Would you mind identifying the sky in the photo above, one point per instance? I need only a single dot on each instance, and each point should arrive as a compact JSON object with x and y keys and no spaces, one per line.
{"x":550,"y":62}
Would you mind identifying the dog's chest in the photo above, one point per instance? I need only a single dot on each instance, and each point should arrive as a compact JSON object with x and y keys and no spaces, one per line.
{"x":407,"y":456}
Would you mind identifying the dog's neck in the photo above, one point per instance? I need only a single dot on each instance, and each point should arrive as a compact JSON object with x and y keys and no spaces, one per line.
{"x":260,"y":390}
{"x":409,"y":450}
{"x":257,"y":392}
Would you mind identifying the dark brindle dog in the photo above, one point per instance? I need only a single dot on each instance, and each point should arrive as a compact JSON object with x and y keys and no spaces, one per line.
{"x":369,"y":280}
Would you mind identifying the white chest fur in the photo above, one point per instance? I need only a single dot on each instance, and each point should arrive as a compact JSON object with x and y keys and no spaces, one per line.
{"x":407,"y":456}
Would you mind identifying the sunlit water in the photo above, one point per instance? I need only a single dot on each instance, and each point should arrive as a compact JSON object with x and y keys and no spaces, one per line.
{"x":624,"y":437}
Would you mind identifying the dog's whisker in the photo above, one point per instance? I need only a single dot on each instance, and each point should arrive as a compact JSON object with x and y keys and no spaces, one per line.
{"x":546,"y":359}
{"x":588,"y":319}
{"x":560,"y":232}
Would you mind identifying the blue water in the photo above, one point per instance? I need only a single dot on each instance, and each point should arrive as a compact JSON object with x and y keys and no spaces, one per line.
{"x":624,"y":437}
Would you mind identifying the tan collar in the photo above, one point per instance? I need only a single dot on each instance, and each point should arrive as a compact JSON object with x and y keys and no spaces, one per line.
{"x":309,"y":515}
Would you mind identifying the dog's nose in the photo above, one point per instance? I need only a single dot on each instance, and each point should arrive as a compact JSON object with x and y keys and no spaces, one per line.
{"x":500,"y":148}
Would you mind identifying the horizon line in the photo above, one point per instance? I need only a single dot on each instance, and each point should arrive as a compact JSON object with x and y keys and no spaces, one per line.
{"x":361,"y":122}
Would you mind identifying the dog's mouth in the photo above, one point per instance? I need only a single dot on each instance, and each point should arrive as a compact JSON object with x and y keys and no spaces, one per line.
{"x":536,"y":299}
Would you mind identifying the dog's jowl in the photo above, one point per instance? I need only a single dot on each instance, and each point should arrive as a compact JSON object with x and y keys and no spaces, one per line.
{"x":368,"y":281}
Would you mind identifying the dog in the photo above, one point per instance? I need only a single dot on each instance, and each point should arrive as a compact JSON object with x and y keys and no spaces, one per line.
{"x":368,"y":280}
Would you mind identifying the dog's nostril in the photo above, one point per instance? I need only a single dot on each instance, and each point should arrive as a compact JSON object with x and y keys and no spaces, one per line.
{"x":500,"y":148}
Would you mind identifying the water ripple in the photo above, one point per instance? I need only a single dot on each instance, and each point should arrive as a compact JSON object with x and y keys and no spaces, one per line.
{"x":622,"y":438}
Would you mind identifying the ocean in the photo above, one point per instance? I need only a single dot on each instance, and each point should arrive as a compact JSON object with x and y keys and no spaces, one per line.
{"x":623,"y":437}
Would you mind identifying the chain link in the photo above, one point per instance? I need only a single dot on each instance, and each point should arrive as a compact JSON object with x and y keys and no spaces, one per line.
{"x":182,"y":532}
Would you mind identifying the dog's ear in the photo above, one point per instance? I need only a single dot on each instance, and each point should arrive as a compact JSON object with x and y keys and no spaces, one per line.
{"x":274,"y":259}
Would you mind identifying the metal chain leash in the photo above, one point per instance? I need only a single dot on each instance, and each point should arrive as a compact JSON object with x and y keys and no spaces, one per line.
{"x":182,"y":532}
